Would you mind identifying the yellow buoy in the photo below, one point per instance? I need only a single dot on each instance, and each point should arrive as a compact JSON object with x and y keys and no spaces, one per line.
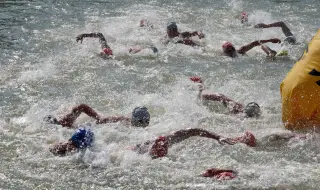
{"x":300,"y":90}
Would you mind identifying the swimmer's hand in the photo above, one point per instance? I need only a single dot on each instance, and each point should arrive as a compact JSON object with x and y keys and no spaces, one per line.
{"x":229,"y":141}
{"x":79,"y":38}
{"x":201,"y":35}
{"x":51,"y":120}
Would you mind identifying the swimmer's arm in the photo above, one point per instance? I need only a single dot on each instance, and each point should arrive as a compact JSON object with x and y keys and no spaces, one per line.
{"x":182,"y":135}
{"x":190,"y":34}
{"x":217,"y":97}
{"x":92,"y":35}
{"x":283,"y":26}
{"x":248,"y":47}
{"x":61,"y":149}
{"x":236,"y":106}
{"x":187,"y":42}
{"x":113,"y":119}
{"x":137,"y":50}
{"x":268,"y":51}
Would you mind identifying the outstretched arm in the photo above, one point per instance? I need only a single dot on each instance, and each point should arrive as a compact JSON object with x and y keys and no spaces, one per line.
{"x":62,"y":148}
{"x":283,"y":26}
{"x":102,"y":40}
{"x":187,"y":41}
{"x":246,"y":48}
{"x":92,"y":35}
{"x":182,"y":135}
{"x":69,"y":119}
{"x":190,"y":34}
{"x":137,"y":50}
{"x":236,"y":106}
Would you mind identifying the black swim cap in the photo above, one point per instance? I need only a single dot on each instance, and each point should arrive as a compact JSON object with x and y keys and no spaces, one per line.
{"x":252,"y":110}
{"x":140,"y":117}
{"x":172,"y":26}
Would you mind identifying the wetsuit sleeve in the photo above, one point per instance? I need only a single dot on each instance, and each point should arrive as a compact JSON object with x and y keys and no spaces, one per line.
{"x":99,"y":35}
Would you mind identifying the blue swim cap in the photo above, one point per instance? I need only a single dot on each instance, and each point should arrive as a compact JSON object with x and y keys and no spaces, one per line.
{"x":82,"y":138}
{"x":172,"y":25}
{"x":140,"y":117}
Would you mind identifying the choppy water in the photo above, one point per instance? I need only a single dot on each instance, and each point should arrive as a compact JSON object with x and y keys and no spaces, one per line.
{"x":43,"y":70}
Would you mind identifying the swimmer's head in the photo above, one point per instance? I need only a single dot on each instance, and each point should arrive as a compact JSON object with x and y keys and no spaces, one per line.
{"x":244,"y":17}
{"x":252,"y":110}
{"x":140,"y":117}
{"x":228,"y":49}
{"x":196,"y":79}
{"x":82,"y":138}
{"x":248,"y":139}
{"x":159,"y":148}
{"x":107,"y":51}
{"x":172,"y":30}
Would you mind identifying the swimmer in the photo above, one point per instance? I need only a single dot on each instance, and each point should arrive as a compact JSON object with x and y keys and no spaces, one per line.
{"x":159,"y":147}
{"x":229,"y":49}
{"x":290,"y":38}
{"x":80,"y":140}
{"x":252,"y":109}
{"x":106,"y":50}
{"x":181,"y":38}
{"x":83,"y":138}
{"x":140,"y":117}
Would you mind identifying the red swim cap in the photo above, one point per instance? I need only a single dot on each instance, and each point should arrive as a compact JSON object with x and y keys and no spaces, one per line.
{"x":244,"y":15}
{"x":248,"y":139}
{"x":196,"y":79}
{"x":220,"y":174}
{"x":159,"y":148}
{"x":227,"y":45}
{"x":107,"y":51}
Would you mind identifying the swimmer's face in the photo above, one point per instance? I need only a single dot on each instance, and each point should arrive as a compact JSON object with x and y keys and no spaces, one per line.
{"x":230,"y":51}
{"x":63,"y":148}
{"x":105,"y":56}
{"x":140,"y":123}
{"x":172,"y":33}
{"x":252,"y":110}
